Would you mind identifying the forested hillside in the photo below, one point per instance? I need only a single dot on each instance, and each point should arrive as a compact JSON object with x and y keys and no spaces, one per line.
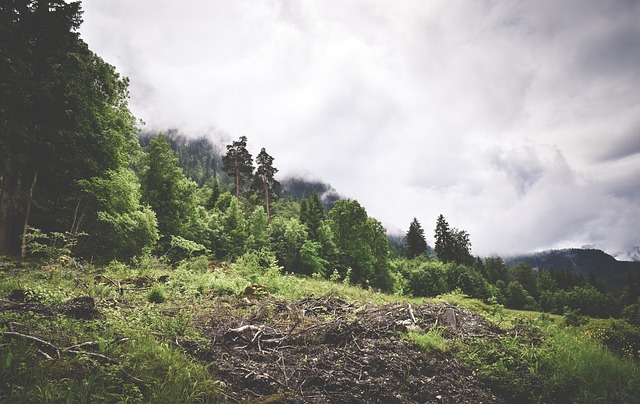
{"x":585,"y":263}
{"x":88,"y":200}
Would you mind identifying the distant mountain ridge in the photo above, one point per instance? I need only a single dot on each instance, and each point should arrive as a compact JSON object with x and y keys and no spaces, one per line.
{"x":299,"y":188}
{"x":585,"y":262}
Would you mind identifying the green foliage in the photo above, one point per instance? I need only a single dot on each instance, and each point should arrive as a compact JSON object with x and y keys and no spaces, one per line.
{"x":229,"y":228}
{"x":617,"y":335}
{"x":632,"y":313}
{"x":452,"y":245}
{"x":288,"y":237}
{"x":157,"y":295}
{"x":64,"y":115}
{"x":416,"y":242}
{"x":432,"y":341}
{"x":182,"y":248}
{"x":312,"y":215}
{"x":264,"y":180}
{"x":496,"y":270}
{"x":170,"y":194}
{"x":526,"y":277}
{"x":122,"y":227}
{"x":310,"y":257}
{"x":531,"y":361}
{"x":361,"y":243}
{"x":587,"y":299}
{"x":54,"y":246}
{"x":423,"y":276}
{"x":583,"y":371}
{"x":238,"y":164}
{"x":517,"y":297}
{"x":197,"y":157}
{"x":258,"y":230}
{"x":572,"y":318}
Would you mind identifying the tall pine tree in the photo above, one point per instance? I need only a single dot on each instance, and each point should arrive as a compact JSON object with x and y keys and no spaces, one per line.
{"x":264,"y":181}
{"x":452,"y":245}
{"x":238,"y":164}
{"x":416,"y":242}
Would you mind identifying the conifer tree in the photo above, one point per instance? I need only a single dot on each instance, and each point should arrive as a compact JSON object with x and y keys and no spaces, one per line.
{"x":312,"y":215}
{"x":416,"y":242}
{"x":238,"y":164}
{"x":169,"y":193}
{"x":63,"y":116}
{"x":264,"y":180}
{"x":452,"y":245}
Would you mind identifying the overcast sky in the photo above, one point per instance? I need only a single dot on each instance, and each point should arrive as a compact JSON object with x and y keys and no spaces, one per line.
{"x":519,"y":121}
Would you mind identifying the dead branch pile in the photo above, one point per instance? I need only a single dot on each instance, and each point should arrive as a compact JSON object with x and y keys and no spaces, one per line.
{"x":324,"y":349}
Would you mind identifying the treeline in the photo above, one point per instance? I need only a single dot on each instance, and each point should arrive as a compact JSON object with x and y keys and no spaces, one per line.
{"x":520,"y":286}
{"x":75,"y":178}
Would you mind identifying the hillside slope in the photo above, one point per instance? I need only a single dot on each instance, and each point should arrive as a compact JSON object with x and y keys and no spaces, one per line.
{"x":585,"y":262}
{"x":213,"y":331}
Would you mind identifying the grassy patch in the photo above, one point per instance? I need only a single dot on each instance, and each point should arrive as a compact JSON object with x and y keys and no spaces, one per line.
{"x":535,"y":359}
{"x":432,"y":341}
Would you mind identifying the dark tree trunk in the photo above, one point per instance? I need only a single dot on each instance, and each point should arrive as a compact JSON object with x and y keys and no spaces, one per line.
{"x":25,"y":228}
{"x":266,"y":200}
{"x":6,"y":194}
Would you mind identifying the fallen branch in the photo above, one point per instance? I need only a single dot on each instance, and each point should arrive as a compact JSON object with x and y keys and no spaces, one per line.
{"x":87,"y":344}
{"x":91,"y":354}
{"x":73,"y":349}
{"x":41,"y":342}
{"x":413,"y":318}
{"x":239,"y":330}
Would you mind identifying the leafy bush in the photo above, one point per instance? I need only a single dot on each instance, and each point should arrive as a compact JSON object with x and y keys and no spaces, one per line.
{"x":617,"y":335}
{"x":157,"y":295}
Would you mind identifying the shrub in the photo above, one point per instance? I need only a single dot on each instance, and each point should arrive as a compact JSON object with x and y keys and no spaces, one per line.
{"x":157,"y":295}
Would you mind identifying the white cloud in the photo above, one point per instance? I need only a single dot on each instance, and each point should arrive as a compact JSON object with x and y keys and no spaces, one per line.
{"x":516,"y":120}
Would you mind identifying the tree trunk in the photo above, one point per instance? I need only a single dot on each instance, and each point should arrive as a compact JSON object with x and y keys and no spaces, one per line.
{"x":237,"y":182}
{"x":266,"y":200}
{"x":25,"y":228}
{"x":6,"y":194}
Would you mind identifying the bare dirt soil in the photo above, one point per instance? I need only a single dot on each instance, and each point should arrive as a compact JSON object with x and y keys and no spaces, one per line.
{"x":326,"y":350}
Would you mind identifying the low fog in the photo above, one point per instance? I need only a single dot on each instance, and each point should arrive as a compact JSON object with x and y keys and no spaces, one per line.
{"x":518,"y":121}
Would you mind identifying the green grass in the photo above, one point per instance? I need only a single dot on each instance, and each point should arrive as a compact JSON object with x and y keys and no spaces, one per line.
{"x":431,"y":341}
{"x":537,"y":359}
{"x":595,"y":374}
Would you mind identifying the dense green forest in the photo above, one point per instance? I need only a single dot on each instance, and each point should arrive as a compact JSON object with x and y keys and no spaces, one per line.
{"x":77,"y":173}
{"x":80,"y":182}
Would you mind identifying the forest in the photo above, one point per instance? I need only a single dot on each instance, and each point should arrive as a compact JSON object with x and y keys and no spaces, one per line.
{"x":82,"y":186}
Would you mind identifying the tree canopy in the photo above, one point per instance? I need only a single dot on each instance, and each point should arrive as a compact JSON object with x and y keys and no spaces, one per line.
{"x":238,"y":164}
{"x":63,"y":115}
{"x":452,"y":245}
{"x":416,"y":242}
{"x":264,"y":181}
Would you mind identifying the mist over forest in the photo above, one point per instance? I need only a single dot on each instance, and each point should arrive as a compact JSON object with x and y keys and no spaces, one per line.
{"x":157,"y":259}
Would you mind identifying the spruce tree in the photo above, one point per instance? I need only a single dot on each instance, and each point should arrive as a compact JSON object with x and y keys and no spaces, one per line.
{"x":169,"y":193}
{"x":452,"y":245}
{"x":416,"y":242}
{"x":312,"y":215}
{"x":443,"y":239}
